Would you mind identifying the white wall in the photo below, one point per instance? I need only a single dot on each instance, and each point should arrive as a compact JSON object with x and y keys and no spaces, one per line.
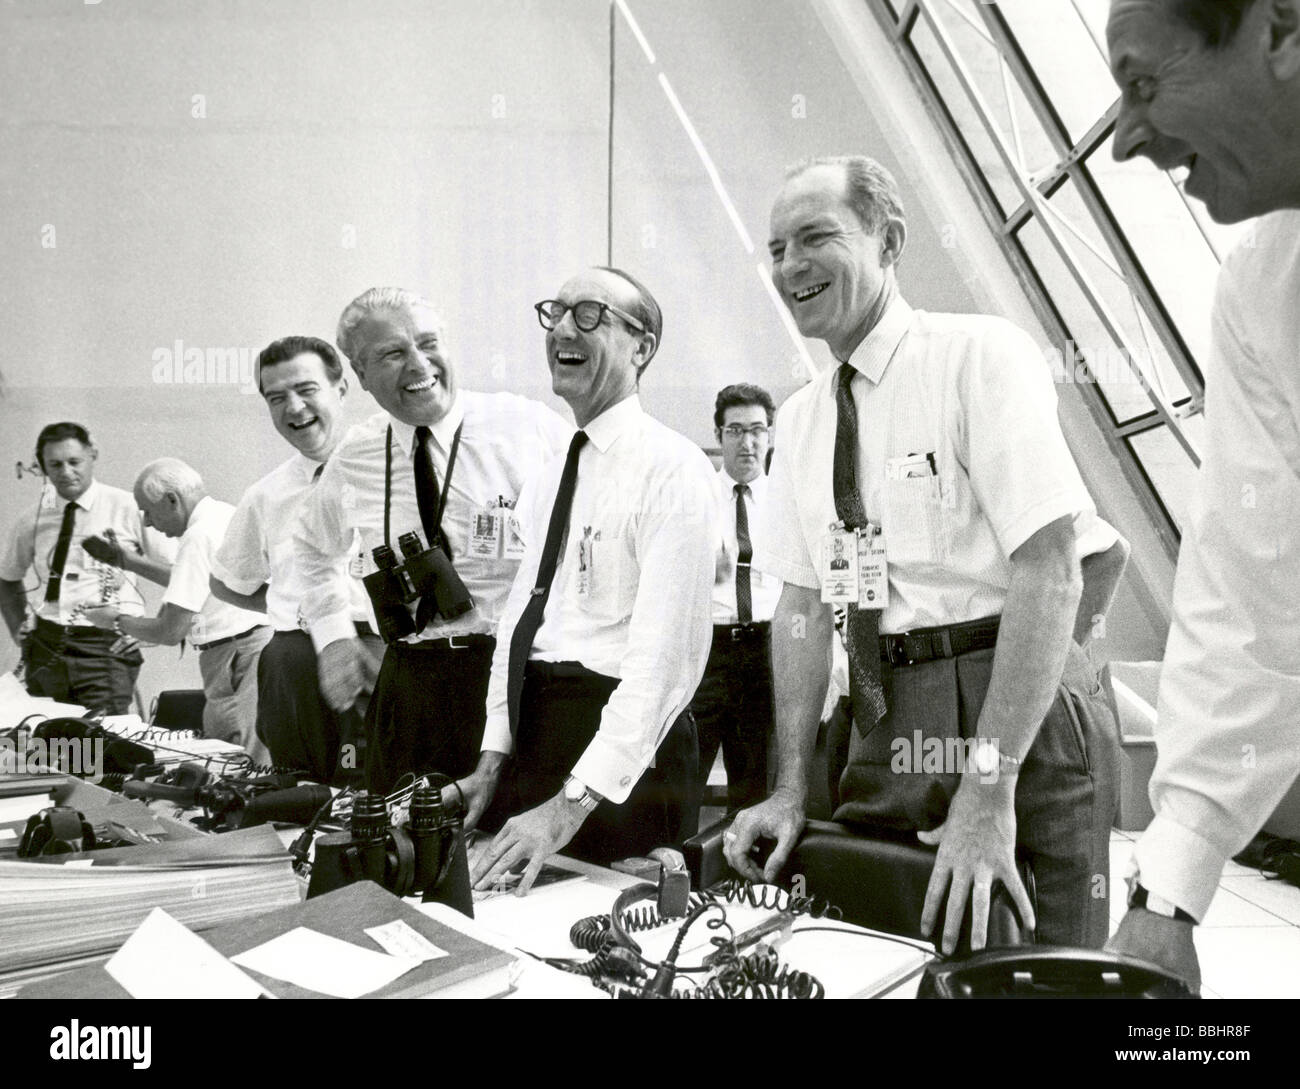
{"x":459,"y":149}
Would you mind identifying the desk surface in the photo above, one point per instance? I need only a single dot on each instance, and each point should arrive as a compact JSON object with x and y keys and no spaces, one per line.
{"x":538,"y":924}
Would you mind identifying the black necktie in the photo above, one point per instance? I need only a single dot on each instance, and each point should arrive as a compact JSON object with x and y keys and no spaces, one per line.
{"x":521,"y":642}
{"x":316,"y":475}
{"x":862,"y":628}
{"x":744,"y":553}
{"x":60,"y":553}
{"x":427,"y":493}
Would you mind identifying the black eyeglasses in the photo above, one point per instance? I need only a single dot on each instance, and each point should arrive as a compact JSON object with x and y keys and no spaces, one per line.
{"x":587,"y":314}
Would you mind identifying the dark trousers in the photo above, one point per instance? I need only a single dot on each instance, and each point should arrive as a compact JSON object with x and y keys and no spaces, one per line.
{"x":427,"y":711}
{"x":297,"y":726}
{"x":733,"y":710}
{"x":559,"y":713}
{"x":1066,"y":790}
{"x":79,"y":665}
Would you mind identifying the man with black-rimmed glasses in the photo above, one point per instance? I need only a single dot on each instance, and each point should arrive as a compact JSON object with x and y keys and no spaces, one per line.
{"x":606,"y":630}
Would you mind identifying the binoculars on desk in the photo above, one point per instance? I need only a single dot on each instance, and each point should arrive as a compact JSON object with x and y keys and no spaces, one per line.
{"x":422,"y":573}
{"x":424,"y":855}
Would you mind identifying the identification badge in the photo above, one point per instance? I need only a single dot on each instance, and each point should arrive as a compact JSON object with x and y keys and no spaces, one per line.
{"x":514,"y":542}
{"x":486,"y":530}
{"x":839,"y":574}
{"x":873,"y":570}
{"x":357,"y":562}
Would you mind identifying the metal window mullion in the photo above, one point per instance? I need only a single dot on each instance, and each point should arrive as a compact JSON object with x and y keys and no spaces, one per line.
{"x":1009,"y":47}
{"x":1030,"y":196}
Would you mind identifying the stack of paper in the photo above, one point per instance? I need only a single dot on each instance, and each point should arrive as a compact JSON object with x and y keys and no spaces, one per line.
{"x":56,"y":916}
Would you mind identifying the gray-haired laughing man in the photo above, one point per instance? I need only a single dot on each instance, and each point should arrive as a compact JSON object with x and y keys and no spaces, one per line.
{"x":1213,"y":86}
{"x":447,"y":464}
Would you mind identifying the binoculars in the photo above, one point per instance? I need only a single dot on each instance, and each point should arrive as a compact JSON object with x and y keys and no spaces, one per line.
{"x":425,"y":855}
{"x":423,"y":572}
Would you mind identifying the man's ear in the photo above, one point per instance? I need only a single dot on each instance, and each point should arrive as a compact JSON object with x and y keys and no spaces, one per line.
{"x":1284,"y":38}
{"x":645,"y":351}
{"x":893,"y":242}
{"x":342,"y":385}
{"x":360,"y":371}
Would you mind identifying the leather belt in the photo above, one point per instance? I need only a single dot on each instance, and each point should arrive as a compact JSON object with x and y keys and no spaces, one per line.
{"x":79,"y":630}
{"x":227,"y":639}
{"x":737,"y":633}
{"x":928,"y":644}
{"x":452,"y":642}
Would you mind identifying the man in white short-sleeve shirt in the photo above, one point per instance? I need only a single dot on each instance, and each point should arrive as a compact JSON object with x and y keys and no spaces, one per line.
{"x":302,"y":382}
{"x":932,"y":456}
{"x":229,"y":639}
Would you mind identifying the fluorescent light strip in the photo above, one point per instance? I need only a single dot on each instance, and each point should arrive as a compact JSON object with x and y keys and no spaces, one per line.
{"x":636,"y":30}
{"x":786,"y":320}
{"x":709,"y":168}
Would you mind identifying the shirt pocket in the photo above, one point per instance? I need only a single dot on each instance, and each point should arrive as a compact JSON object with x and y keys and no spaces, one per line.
{"x":915,"y":525}
{"x":606,"y":598}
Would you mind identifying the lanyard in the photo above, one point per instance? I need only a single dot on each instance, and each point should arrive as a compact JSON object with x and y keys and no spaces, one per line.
{"x":388,"y":484}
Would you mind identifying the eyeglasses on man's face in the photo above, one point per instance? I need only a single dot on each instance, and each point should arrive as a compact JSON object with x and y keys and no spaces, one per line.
{"x":587,"y":314}
{"x":736,"y":432}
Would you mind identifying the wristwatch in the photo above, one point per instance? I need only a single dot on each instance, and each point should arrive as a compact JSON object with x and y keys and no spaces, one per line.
{"x":1140,"y":897}
{"x":575,"y":791}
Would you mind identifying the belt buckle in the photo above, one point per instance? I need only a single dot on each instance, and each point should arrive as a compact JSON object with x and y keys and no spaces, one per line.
{"x":738,"y":632}
{"x":453,"y":645}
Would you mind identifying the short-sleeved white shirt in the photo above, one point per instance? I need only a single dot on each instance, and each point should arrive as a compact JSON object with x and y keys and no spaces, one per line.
{"x":188,"y":588}
{"x":86,"y":582}
{"x":258,"y":546}
{"x":974,"y":392}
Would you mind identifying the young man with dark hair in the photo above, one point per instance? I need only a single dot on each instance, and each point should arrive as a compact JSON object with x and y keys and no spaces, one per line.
{"x":733,"y":705}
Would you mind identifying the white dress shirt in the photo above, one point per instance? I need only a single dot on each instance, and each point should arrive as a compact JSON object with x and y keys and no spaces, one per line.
{"x":976,"y":394}
{"x":505,"y":438}
{"x":258,"y":546}
{"x":1228,"y":728}
{"x":188,"y":587}
{"x":765,"y":589}
{"x":630,"y":598}
{"x":86,"y":583}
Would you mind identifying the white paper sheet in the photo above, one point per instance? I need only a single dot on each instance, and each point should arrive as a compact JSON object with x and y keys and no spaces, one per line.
{"x":323,"y":964}
{"x":164,"y":959}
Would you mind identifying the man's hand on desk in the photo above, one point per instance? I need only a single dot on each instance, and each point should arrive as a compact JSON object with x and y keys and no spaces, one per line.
{"x":529,"y":840}
{"x":977,"y":846}
{"x":780,"y":817}
{"x":1162,"y":941}
{"x":347,"y":672}
{"x":478,"y":788}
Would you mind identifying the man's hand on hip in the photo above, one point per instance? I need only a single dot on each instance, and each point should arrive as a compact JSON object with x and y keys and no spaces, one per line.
{"x":1166,"y":942}
{"x":780,"y":817}
{"x":346,"y":672}
{"x":977,"y":846}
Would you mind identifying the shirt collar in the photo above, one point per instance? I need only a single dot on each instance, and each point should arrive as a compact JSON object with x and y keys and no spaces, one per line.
{"x":443,"y":431}
{"x":757,"y":487}
{"x":872,"y":356}
{"x":605,"y":429}
{"x":304,"y":467}
{"x":87,"y":498}
{"x":196,"y":513}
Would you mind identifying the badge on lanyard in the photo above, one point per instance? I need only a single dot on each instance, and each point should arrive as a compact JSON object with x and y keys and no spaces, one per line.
{"x":839,"y":566}
{"x":357,"y":563}
{"x":486,"y":530}
{"x":873,"y":570}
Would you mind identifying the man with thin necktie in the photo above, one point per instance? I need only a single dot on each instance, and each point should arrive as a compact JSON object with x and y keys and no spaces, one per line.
{"x":606,"y":631}
{"x":931,"y":454}
{"x":733,"y":705}
{"x":446,"y":464}
{"x":84,"y":541}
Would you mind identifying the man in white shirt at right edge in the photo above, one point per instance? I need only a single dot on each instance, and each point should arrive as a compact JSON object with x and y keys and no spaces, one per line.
{"x":1216,"y":86}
